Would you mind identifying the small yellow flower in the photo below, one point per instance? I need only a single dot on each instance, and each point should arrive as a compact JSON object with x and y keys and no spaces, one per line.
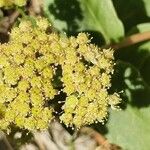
{"x":36,"y":96}
{"x":114,"y":100}
{"x":11,"y":94}
{"x":49,"y":91}
{"x":30,"y":123}
{"x":19,"y":59}
{"x":105,"y":80}
{"x":2,"y":110}
{"x":78,"y":121}
{"x":4,"y":61}
{"x":43,"y":24}
{"x":82,"y":38}
{"x":19,"y":120}
{"x":66,"y":118}
{"x":23,"y":85}
{"x":70,"y":90}
{"x":83,"y":101}
{"x":48,"y":72}
{"x":36,"y":81}
{"x":71,"y":101}
{"x":11,"y":75}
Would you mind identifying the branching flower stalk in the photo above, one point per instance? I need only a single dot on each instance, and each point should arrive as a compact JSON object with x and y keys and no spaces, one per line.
{"x":28,"y":65}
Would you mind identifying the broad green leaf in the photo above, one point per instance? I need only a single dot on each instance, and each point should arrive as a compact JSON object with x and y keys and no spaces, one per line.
{"x":130,"y":128}
{"x":85,"y":15}
{"x":100,"y":15}
{"x":147,"y":7}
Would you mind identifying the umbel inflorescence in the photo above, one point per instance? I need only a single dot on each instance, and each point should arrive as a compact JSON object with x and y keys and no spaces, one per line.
{"x":8,"y":3}
{"x":28,"y":66}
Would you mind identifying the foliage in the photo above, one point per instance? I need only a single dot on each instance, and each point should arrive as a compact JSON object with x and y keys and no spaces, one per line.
{"x":97,"y":16}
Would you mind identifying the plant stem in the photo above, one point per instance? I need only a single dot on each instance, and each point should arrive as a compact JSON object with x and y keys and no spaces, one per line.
{"x":131,"y":40}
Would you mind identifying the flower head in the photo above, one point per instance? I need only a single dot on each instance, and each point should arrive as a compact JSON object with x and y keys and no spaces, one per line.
{"x":28,"y":66}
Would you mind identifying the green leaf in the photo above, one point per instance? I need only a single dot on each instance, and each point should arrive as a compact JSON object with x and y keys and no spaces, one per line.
{"x":143,"y":27}
{"x":101,"y":16}
{"x":140,"y":28}
{"x":142,"y":53}
{"x":132,"y":12}
{"x":147,"y":7}
{"x":130,"y":128}
{"x":138,"y":54}
{"x":85,"y":15}
{"x":128,"y":78}
{"x":56,"y":22}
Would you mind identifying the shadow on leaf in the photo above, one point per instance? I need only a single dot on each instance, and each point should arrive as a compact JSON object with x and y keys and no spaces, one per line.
{"x":68,"y":11}
{"x":128,"y":78}
{"x":129,"y":17}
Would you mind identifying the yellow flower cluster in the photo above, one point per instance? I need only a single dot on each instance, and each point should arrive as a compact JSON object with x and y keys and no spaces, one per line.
{"x":26,"y":74}
{"x":86,"y":78}
{"x":8,"y":3}
{"x":28,"y":64}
